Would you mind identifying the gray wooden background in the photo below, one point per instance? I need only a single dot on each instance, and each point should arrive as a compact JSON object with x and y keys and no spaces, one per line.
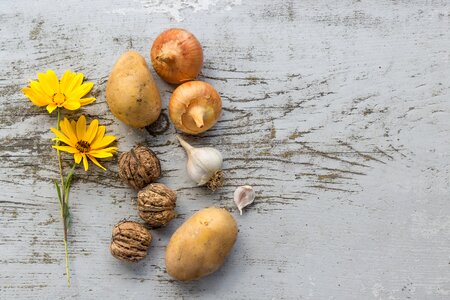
{"x":337,"y":112}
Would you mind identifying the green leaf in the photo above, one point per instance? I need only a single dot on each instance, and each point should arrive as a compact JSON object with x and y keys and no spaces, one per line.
{"x":66,"y":193}
{"x":68,"y":182}
{"x":68,"y":179}
{"x":67,"y":216}
{"x":58,"y":190}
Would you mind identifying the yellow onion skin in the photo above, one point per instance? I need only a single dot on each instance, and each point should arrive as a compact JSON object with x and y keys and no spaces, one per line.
{"x":177,"y":56}
{"x":195,"y":107}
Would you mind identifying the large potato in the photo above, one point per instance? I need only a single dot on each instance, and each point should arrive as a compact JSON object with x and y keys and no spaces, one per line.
{"x":199,"y":247}
{"x":131,"y":92}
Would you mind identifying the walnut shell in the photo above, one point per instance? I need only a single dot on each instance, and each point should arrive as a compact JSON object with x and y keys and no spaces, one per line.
{"x":139,"y":167}
{"x":156,"y":204}
{"x":130,"y":241}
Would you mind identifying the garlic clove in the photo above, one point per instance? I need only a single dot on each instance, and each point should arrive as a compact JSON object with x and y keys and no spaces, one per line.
{"x":195,"y":107}
{"x":243,"y":196}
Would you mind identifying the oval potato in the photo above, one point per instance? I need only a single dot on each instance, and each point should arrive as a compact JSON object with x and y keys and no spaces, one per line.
{"x":131,"y":92}
{"x":199,"y":247}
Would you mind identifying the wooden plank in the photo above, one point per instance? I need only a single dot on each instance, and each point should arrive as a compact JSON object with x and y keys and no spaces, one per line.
{"x":336,"y":112}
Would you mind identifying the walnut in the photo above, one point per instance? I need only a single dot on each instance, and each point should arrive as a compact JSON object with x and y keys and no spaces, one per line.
{"x":139,"y":167}
{"x":130,"y":241}
{"x":156,"y":204}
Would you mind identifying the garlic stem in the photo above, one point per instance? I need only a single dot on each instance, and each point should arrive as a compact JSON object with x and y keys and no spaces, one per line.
{"x":184,"y":144}
{"x":197,"y":113}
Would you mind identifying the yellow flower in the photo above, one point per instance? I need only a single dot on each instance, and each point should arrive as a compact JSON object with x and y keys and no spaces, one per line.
{"x":84,"y":143}
{"x":67,"y":92}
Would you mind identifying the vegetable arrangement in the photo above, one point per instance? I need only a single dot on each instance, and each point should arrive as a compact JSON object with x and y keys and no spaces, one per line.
{"x":199,"y":246}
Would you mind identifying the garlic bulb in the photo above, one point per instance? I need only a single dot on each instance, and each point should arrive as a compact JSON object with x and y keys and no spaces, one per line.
{"x":194,"y":107}
{"x":243,"y":196}
{"x":177,"y":56}
{"x":204,"y":165}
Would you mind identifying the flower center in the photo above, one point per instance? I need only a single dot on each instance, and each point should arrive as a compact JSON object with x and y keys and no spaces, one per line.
{"x":59,"y":98}
{"x":83,"y":146}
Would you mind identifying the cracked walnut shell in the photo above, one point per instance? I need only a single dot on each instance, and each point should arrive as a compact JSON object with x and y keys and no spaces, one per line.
{"x":130,"y":241}
{"x":139,"y":167}
{"x":156,"y":204}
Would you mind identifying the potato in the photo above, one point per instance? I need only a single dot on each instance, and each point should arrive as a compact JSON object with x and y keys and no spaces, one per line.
{"x":199,"y":247}
{"x":131,"y":92}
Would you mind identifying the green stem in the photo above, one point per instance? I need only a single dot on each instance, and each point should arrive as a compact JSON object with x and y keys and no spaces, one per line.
{"x":63,"y":201}
{"x":59,"y":153}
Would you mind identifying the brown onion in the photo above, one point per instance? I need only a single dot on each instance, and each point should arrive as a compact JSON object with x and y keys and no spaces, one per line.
{"x":194,"y":107}
{"x":177,"y":56}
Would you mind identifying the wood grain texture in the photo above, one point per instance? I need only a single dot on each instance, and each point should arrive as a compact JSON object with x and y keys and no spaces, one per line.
{"x":337,"y":112}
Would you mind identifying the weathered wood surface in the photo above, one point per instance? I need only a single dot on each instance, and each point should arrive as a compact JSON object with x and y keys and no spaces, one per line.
{"x":337,"y":112}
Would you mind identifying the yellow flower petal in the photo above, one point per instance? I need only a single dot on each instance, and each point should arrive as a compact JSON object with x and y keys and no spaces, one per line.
{"x":72,"y":104}
{"x":75,"y":82}
{"x":85,"y":162}
{"x":67,"y":129}
{"x":36,"y":86}
{"x":100,"y":154}
{"x":46,"y":84}
{"x":51,"y":107}
{"x":80,"y":91}
{"x":94,"y":160}
{"x":91,"y":131}
{"x":111,"y":150}
{"x":35,"y":98}
{"x":105,"y":141}
{"x":37,"y":89}
{"x":77,"y":157}
{"x":62,"y":137}
{"x":65,"y":80}
{"x":53,"y":81}
{"x":100,"y":133}
{"x":81,"y":128}
{"x":68,"y":149}
{"x":86,"y":101}
{"x":74,"y":126}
